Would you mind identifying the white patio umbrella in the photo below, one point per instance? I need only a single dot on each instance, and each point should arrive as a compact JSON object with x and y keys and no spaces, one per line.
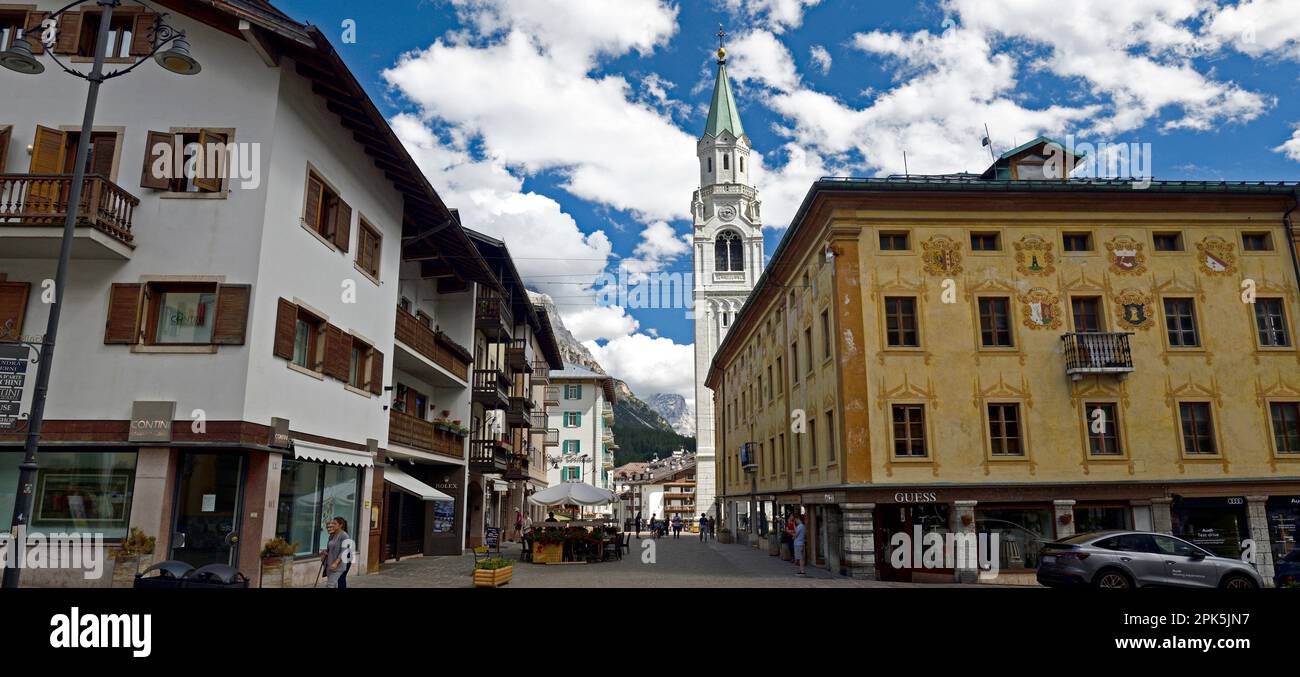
{"x":577,"y":493}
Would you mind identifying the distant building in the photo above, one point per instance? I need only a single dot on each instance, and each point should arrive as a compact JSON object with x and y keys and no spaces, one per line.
{"x":584,"y":418}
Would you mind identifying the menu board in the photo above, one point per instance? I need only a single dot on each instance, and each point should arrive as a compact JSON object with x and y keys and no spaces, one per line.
{"x":13,"y":377}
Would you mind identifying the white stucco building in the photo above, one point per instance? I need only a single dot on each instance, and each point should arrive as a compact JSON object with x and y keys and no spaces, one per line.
{"x":728,"y":253}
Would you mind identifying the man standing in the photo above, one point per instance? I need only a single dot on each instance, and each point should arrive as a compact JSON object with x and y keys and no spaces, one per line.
{"x":638,"y":524}
{"x":704,"y":527}
{"x":800,"y":540}
{"x":677,"y":526}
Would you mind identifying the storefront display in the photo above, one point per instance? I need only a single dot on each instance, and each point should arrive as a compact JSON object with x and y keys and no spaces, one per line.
{"x":311,"y":494}
{"x":1216,"y":524}
{"x":1022,"y":531}
{"x":1094,"y":517}
{"x":1283,"y":513}
{"x":82,"y":492}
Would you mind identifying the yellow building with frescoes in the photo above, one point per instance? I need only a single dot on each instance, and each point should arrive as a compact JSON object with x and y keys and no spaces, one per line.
{"x":1027,"y":357}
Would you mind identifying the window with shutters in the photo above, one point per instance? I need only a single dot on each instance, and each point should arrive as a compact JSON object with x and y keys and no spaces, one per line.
{"x":359,"y":367}
{"x":122,"y":42}
{"x":325,"y":213}
{"x":369,"y":242}
{"x":13,"y":308}
{"x":12,"y":27}
{"x":309,"y":341}
{"x":181,"y":314}
{"x":55,"y":152}
{"x":171,"y":316}
{"x":188,"y":161}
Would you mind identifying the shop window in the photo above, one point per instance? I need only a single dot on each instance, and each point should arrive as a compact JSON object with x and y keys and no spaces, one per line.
{"x":75,"y":492}
{"x":1005,"y":435}
{"x":1021,"y":531}
{"x":995,"y":322}
{"x":1180,"y":323}
{"x":1102,"y":421}
{"x":1198,"y":428}
{"x":894,"y":242}
{"x":1283,"y":515}
{"x":311,"y":494}
{"x":1100,"y":518}
{"x":1286,"y":426}
{"x":1270,"y":320}
{"x":900,"y":322}
{"x":909,"y":430}
{"x":1216,"y":524}
{"x":1168,"y":242}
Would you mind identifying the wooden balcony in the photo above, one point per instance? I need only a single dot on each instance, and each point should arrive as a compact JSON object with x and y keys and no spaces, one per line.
{"x":517,"y":356}
{"x":416,"y":433}
{"x":537,"y":422}
{"x":1097,"y":353}
{"x":432,"y":345}
{"x":552,"y":437}
{"x":541,"y":373}
{"x":517,"y":467}
{"x":519,"y":414}
{"x":489,"y":456}
{"x":552,"y":396}
{"x":490,"y":388}
{"x":492,"y":316}
{"x":33,"y":208}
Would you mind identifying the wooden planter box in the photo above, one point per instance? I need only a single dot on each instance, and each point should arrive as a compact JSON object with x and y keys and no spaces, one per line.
{"x":277,"y":572}
{"x":548,"y":554}
{"x":493,"y":578}
{"x":125,"y":569}
{"x":725,"y":537}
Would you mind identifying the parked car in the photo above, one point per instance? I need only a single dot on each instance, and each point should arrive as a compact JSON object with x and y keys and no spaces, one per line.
{"x":1287,"y":571}
{"x":1133,"y":559}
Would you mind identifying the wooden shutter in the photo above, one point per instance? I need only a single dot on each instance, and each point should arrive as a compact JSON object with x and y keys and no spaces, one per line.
{"x":4,"y":147}
{"x":231,"y":322}
{"x":69,"y":38}
{"x":211,"y":184}
{"x":342,"y":225}
{"x":286,"y":329}
{"x":32,"y":31}
{"x":312,"y":212}
{"x":338,"y":353}
{"x":123,"y":325}
{"x":13,"y":307}
{"x":47,"y":151}
{"x":102,"y":149}
{"x":142,"y":34}
{"x":376,"y":371}
{"x":147,"y":177}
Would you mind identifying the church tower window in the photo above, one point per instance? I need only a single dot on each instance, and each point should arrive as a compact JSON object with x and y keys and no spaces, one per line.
{"x":726,"y":160}
{"x":728,"y":253}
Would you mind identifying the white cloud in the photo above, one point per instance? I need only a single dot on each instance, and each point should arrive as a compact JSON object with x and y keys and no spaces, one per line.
{"x":599,"y":323}
{"x":775,"y":14}
{"x":1258,"y":27}
{"x":760,"y":57}
{"x":821,"y":58}
{"x":659,"y":245}
{"x":1291,"y":148}
{"x":649,"y":364}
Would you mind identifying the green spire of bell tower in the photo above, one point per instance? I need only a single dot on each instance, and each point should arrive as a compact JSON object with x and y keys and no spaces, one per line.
{"x":723,"y":115}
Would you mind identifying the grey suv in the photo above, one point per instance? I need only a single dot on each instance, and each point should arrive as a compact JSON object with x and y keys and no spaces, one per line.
{"x":1129,"y":559}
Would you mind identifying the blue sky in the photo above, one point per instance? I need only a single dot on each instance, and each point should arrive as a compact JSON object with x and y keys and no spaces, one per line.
{"x":566,"y":127}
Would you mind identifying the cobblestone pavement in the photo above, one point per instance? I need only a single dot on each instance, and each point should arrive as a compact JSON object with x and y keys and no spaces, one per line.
{"x":684,"y":563}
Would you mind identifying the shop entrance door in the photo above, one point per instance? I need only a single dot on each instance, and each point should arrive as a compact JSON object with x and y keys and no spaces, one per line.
{"x":904,"y":519}
{"x":208,"y":498}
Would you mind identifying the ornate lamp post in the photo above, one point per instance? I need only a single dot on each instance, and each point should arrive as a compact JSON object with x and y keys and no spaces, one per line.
{"x":19,"y":58}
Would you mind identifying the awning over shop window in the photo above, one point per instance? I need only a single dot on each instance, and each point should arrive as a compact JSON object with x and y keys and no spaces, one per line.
{"x":413,"y":486}
{"x":323,"y":454}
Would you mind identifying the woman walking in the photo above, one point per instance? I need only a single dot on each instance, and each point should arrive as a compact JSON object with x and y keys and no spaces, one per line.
{"x":337,"y":558}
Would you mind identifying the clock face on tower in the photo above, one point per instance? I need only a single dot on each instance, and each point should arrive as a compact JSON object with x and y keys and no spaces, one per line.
{"x":727,"y":213}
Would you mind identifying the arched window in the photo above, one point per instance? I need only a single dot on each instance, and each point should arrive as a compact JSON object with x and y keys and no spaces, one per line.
{"x":726,"y":160}
{"x":742,"y":163}
{"x":710,"y":165}
{"x":728,"y":252}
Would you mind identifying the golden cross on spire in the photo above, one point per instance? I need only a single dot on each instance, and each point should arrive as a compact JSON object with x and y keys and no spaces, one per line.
{"x":722,"y":41}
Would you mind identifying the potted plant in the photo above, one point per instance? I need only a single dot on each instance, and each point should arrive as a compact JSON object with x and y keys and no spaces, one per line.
{"x":493,"y":573}
{"x":277,"y":563}
{"x":136,"y":550}
{"x":548,"y":546}
{"x":724,"y":535}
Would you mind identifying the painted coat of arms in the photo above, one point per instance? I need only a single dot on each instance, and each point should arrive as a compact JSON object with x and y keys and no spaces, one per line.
{"x":1126,"y":257}
{"x":1133,"y":309}
{"x":942,"y":256}
{"x":1034,"y":256}
{"x":1216,"y":257}
{"x":1041,"y":309}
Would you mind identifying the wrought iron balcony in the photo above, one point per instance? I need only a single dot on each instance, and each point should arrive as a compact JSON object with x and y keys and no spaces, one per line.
{"x":1097,"y":353}
{"x":33,"y":208}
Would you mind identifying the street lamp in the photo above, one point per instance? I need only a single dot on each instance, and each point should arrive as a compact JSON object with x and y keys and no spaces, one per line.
{"x":19,"y":58}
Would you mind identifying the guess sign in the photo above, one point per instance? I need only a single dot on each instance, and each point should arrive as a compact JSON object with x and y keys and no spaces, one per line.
{"x":916,"y":497}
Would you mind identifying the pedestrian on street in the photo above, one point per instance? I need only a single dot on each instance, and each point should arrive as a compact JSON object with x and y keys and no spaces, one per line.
{"x":677,"y":526}
{"x":638,"y":524}
{"x":800,"y":540}
{"x":519,"y":525}
{"x":337,"y":558}
{"x":704,"y":526}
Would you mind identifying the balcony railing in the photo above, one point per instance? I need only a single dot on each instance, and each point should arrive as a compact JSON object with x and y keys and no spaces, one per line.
{"x":607,"y":410}
{"x":434,"y":346}
{"x":552,"y":396}
{"x":42,"y":200}
{"x":492,"y":315}
{"x":490,"y":388}
{"x":490,"y":455}
{"x":541,"y":372}
{"x":552,"y":437}
{"x":537,"y":422}
{"x":1097,"y":353}
{"x":519,"y":415}
{"x":517,"y":356}
{"x":417,"y":433}
{"x":517,"y":467}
